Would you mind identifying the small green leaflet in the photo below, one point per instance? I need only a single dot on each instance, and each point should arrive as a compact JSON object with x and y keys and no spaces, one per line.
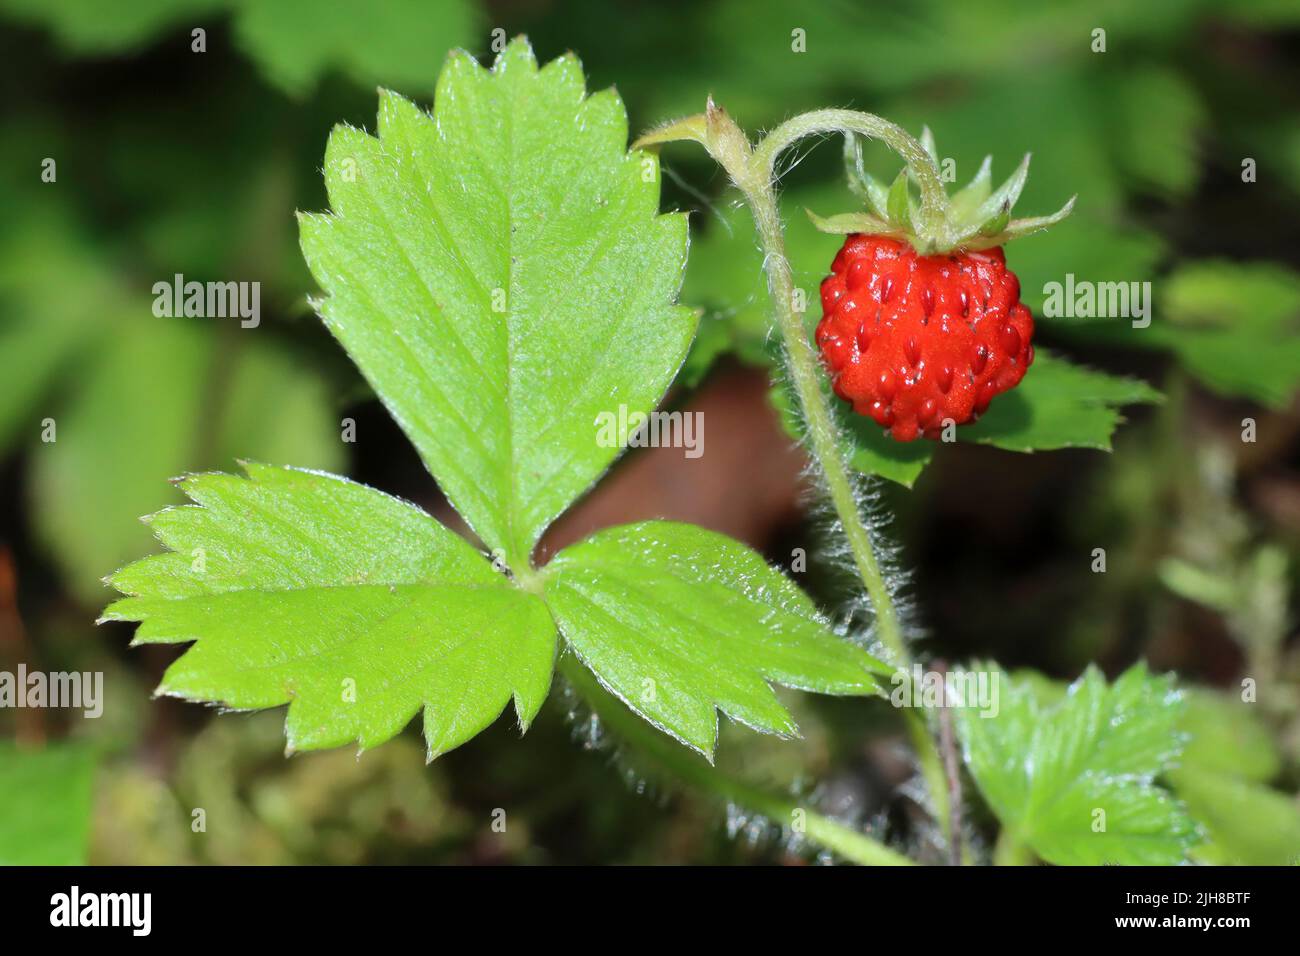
{"x":500,"y":274}
{"x":45,"y":804}
{"x":1057,"y":405}
{"x":1221,"y":776}
{"x":677,"y":621}
{"x":354,"y":608}
{"x":1074,"y":780}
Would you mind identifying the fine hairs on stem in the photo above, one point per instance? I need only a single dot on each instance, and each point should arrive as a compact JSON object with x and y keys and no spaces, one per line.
{"x":653,"y":753}
{"x":752,"y":169}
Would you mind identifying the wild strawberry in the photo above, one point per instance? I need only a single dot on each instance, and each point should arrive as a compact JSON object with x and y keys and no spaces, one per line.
{"x":922,"y":321}
{"x":913,"y":341}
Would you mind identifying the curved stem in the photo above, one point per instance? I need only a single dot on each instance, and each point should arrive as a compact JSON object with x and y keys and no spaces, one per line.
{"x":752,"y":173}
{"x":934,"y":199}
{"x":823,"y":435}
{"x":692,"y":769}
{"x":752,"y":168}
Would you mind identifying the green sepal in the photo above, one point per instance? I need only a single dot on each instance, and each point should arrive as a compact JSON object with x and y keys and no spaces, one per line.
{"x":976,"y":217}
{"x":899,"y":203}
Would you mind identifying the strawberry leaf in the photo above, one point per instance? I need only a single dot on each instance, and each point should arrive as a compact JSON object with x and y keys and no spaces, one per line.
{"x":354,"y":608}
{"x":1074,"y":780}
{"x":500,"y":274}
{"x":1058,"y":405}
{"x":45,"y":804}
{"x":679,"y":622}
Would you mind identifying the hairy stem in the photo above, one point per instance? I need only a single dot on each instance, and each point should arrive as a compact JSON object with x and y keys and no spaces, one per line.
{"x":752,"y":169}
{"x":691,"y":769}
{"x":753,"y":174}
{"x":823,"y":437}
{"x":931,"y":767}
{"x":951,"y":769}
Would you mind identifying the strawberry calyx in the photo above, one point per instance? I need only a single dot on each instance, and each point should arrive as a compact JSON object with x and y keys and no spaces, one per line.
{"x":975,"y":217}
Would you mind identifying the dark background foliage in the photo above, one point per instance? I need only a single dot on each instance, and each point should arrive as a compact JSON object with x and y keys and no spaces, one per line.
{"x":171,"y":161}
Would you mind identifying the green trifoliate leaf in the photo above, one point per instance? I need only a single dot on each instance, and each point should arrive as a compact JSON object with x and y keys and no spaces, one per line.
{"x":45,"y":804}
{"x":354,"y":608}
{"x":1074,"y":780}
{"x":1220,"y":776}
{"x":500,"y":274}
{"x":677,"y":621}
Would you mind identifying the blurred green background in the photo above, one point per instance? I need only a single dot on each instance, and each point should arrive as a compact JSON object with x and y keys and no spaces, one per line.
{"x":168,"y":160}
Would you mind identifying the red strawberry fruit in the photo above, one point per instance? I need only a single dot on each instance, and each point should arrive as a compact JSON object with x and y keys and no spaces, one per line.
{"x":923,"y":327}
